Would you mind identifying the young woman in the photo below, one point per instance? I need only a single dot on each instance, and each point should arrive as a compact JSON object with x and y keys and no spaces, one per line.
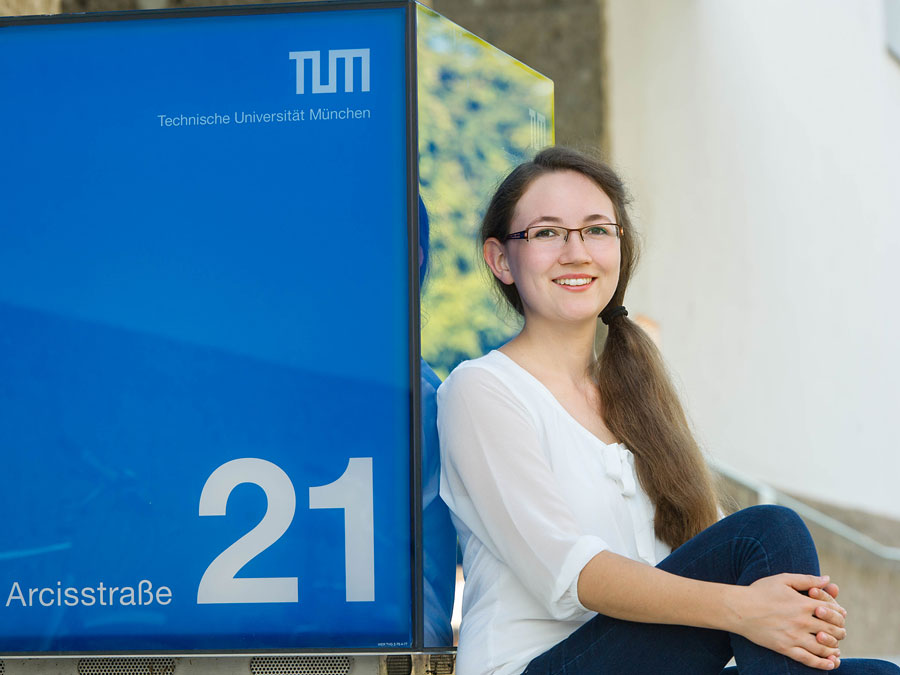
{"x":590,"y":530}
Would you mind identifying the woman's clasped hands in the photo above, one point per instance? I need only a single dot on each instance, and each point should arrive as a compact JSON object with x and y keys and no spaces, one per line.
{"x":796,"y":615}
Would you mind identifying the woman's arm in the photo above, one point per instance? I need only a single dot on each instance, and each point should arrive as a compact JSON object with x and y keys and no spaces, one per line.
{"x":771,"y":612}
{"x":498,"y":483}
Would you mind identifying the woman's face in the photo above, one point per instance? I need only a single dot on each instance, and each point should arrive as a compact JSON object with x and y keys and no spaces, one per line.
{"x":569,"y":281}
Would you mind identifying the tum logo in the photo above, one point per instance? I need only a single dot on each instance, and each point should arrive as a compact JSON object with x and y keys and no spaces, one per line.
{"x":348,"y":56}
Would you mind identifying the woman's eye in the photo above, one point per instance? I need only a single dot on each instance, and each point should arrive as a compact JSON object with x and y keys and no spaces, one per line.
{"x":547,"y":233}
{"x":596,"y":231}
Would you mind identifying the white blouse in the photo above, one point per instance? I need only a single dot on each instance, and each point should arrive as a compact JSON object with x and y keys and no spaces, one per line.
{"x":534,"y":496}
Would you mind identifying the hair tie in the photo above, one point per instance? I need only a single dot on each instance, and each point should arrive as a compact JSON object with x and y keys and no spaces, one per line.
{"x":608,"y":315}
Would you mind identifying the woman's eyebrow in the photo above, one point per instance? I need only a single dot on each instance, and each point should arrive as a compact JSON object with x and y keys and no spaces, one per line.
{"x":539,"y":219}
{"x":555,"y":219}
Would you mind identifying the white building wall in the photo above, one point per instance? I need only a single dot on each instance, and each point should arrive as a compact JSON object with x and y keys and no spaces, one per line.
{"x":761,"y":139}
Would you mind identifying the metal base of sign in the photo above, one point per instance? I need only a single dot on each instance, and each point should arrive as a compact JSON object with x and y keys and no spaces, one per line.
{"x":304,"y":664}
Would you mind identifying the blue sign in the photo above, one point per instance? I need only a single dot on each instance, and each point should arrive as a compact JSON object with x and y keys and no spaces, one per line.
{"x":204,"y":334}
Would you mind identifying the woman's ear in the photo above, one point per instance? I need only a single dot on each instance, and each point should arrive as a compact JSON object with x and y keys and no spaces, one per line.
{"x":495,"y":257}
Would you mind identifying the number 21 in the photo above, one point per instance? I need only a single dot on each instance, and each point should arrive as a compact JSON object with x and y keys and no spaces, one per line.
{"x":352,"y":492}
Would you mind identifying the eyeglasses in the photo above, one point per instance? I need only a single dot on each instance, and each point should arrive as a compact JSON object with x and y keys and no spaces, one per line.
{"x":554,"y":236}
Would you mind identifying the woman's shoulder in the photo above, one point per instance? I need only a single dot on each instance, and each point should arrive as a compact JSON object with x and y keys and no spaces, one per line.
{"x":487,"y":371}
{"x":491,"y":380}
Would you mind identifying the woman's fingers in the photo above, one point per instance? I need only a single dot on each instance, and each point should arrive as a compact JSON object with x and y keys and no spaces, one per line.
{"x":837,"y":634}
{"x":832,"y":590}
{"x":826,"y":609}
{"x":825,"y":595}
{"x":817,"y":655}
{"x":804,"y":582}
{"x":833,"y":613}
{"x":830,"y":614}
{"x":809,"y":659}
{"x":820,"y":626}
{"x":826,"y":639}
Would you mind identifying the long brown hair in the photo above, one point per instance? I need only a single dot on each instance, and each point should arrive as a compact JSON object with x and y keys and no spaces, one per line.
{"x":639,"y":404}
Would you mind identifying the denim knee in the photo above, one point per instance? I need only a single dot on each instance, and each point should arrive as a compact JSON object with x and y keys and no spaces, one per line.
{"x":771,"y":539}
{"x":771,"y":518}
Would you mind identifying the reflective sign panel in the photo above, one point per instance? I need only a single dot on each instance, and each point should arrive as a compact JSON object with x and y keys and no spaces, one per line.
{"x":204,"y":354}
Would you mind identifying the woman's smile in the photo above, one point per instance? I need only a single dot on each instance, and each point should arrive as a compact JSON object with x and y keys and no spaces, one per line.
{"x":575,"y":282}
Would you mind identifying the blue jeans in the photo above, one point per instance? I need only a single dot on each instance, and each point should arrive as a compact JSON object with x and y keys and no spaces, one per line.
{"x":746,"y":546}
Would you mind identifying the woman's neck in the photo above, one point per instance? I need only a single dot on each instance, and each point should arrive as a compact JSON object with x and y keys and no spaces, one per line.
{"x":554,"y":350}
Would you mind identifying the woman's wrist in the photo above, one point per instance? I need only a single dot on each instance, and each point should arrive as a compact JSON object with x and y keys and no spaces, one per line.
{"x":734,"y":608}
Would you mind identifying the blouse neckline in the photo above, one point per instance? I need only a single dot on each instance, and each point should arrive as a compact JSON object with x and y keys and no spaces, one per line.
{"x":555,"y":400}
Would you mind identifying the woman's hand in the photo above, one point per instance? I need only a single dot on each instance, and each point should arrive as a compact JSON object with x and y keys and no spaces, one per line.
{"x":775,"y":613}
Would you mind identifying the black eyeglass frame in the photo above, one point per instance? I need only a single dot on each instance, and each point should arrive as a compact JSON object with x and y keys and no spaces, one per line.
{"x":523,"y":234}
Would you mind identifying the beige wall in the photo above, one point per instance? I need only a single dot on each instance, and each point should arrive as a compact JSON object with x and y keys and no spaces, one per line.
{"x":27,"y":7}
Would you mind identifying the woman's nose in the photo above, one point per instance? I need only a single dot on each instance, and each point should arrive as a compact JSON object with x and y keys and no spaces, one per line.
{"x":574,"y":249}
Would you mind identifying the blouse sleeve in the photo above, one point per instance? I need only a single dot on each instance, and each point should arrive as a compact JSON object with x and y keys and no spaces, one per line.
{"x":497,"y":480}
